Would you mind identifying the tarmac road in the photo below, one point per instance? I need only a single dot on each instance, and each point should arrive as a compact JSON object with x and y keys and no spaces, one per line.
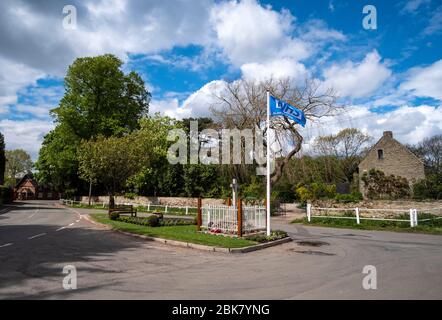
{"x":39,"y":238}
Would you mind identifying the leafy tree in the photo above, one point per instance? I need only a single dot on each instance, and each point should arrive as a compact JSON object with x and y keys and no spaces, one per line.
{"x":111,"y":161}
{"x":57,"y":163}
{"x":99,"y":99}
{"x":2,"y":159}
{"x":114,"y":160}
{"x":18,"y":163}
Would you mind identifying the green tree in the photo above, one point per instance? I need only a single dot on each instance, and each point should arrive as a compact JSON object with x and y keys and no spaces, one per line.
{"x":113,"y":161}
{"x":99,"y":99}
{"x":18,"y":163}
{"x":2,"y":159}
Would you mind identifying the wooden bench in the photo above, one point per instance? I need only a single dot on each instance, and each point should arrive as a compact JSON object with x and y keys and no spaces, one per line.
{"x":124,"y":209}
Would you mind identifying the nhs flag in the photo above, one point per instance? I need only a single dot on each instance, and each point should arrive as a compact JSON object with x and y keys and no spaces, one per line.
{"x":281,"y":108}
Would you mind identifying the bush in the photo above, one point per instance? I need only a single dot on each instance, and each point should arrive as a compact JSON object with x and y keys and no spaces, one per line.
{"x":429,"y":188}
{"x":304,"y":194}
{"x":130,"y":195}
{"x":381,"y":186}
{"x":314,"y":191}
{"x":347,"y":198}
{"x":262,"y":238}
{"x":153,"y":221}
{"x":5,"y":194}
{"x":114,"y":216}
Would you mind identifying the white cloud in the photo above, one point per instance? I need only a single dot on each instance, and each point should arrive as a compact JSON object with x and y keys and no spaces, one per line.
{"x":13,"y":77}
{"x":27,"y":135}
{"x":169,"y":107}
{"x":426,"y":81}
{"x":281,"y":68}
{"x":357,"y":79}
{"x":412,"y":6}
{"x":410,"y":125}
{"x":435,"y":23}
{"x":248,"y":32}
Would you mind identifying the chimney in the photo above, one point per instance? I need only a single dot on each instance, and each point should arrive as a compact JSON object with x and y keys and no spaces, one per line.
{"x":388,"y":134}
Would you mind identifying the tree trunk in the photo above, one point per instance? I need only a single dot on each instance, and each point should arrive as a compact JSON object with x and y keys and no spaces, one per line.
{"x":111,"y":202}
{"x":90,"y":192}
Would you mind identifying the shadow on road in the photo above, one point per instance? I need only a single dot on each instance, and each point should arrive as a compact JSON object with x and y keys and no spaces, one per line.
{"x":46,"y":255}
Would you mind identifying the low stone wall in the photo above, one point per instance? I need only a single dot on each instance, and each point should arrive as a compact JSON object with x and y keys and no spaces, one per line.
{"x":143,"y":201}
{"x":384,"y":204}
{"x":433,"y":207}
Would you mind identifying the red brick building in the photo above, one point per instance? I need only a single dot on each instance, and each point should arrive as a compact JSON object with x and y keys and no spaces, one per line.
{"x":28,"y":189}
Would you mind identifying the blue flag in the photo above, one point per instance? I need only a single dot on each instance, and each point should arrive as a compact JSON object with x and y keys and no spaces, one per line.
{"x":281,"y":108}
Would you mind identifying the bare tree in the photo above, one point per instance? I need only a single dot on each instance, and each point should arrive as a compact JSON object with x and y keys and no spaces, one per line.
{"x":348,"y":145}
{"x":243,"y":105}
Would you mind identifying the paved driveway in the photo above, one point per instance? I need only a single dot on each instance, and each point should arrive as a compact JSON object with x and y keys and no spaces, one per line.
{"x":37,"y":239}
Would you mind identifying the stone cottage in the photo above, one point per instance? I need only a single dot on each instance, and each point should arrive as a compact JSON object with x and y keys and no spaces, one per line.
{"x":392,"y":157}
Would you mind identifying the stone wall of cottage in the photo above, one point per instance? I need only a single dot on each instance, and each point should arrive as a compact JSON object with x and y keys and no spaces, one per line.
{"x":397,"y":160}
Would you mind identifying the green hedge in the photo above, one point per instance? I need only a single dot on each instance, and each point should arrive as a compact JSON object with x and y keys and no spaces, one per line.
{"x":5,"y":194}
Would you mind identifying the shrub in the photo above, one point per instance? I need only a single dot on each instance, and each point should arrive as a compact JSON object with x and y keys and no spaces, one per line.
{"x":304,"y":194}
{"x":381,"y":186}
{"x":262,"y":238}
{"x":429,"y":188}
{"x":315,"y":190}
{"x":153,"y":221}
{"x":159,"y":215}
{"x":5,"y":194}
{"x":355,"y":196}
{"x":321,"y":190}
{"x":114,"y":216}
{"x":130,"y":195}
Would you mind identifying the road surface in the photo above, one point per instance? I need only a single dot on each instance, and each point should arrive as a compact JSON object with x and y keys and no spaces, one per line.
{"x":38,"y":239}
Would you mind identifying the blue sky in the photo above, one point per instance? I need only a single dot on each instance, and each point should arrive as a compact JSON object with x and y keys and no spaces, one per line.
{"x":389,"y":78}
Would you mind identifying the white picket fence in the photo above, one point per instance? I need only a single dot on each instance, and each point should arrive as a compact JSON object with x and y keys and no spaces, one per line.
{"x":224,"y":219}
{"x":167,"y":209}
{"x":318,"y":212}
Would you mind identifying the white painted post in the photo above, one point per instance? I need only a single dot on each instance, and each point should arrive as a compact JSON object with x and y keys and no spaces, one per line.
{"x":411,"y":218}
{"x":148,"y":207}
{"x":415,"y":217}
{"x":165,"y":209}
{"x":309,"y":212}
{"x":358,"y":221}
{"x":187,"y":210}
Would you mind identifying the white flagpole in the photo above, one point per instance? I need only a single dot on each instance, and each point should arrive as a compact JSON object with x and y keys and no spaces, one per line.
{"x":268,"y":164}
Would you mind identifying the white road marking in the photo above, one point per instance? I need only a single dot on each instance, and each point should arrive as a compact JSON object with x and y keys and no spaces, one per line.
{"x":77,"y":221}
{"x":60,"y":228}
{"x":71,"y":224}
{"x":6,"y":245}
{"x":38,"y":235}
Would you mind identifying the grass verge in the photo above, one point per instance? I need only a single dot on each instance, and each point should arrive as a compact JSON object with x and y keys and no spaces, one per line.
{"x":180,"y":233}
{"x":433,"y":226}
